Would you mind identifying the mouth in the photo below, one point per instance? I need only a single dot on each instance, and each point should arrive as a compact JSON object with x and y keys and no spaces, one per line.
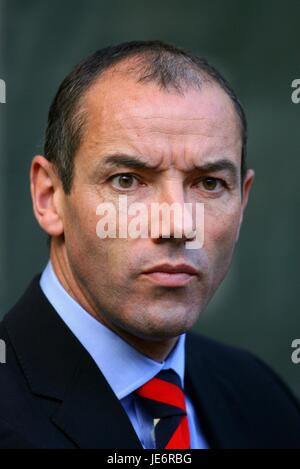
{"x":171,"y":275}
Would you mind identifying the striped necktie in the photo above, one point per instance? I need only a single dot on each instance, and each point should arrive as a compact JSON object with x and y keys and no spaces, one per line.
{"x":163,"y":398}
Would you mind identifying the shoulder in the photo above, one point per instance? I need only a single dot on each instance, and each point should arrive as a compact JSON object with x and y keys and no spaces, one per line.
{"x":240,"y":368}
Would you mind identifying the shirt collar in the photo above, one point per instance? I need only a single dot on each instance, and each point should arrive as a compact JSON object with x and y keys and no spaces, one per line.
{"x":111,"y":353}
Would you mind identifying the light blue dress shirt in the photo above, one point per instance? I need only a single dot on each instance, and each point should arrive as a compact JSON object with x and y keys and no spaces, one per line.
{"x":113,"y":355}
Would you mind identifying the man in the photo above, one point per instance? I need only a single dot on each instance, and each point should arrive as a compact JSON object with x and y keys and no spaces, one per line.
{"x":98,"y":349}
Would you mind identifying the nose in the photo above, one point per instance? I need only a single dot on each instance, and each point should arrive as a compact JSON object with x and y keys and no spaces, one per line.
{"x":172,"y":215}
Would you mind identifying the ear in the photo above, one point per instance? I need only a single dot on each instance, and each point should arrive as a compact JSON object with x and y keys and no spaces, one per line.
{"x":46,"y":194}
{"x":247,"y":184}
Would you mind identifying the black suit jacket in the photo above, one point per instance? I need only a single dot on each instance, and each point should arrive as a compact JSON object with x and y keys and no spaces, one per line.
{"x":52,"y":394}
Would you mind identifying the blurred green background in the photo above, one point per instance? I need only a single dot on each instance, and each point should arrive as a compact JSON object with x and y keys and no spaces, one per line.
{"x":256,"y":46}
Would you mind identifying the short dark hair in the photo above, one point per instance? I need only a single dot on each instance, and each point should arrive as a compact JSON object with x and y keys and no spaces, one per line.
{"x":156,"y":61}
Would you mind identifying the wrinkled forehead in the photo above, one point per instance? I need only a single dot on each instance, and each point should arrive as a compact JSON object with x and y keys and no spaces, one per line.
{"x":119,"y":110}
{"x":117,"y":96}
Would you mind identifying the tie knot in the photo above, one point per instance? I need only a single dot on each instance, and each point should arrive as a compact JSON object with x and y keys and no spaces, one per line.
{"x":163,"y":395}
{"x":163,"y":398}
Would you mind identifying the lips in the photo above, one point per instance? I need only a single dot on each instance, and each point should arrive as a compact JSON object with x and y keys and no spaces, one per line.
{"x":171,"y":275}
{"x":173,"y":269}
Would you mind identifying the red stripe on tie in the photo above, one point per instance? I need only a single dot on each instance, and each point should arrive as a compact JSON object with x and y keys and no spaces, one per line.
{"x":181,"y":437}
{"x":163,"y":391}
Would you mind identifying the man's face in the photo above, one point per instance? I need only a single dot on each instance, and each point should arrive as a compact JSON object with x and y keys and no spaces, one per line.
{"x":174,"y":133}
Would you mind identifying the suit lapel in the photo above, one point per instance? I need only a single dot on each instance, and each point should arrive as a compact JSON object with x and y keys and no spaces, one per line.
{"x":91,"y":414}
{"x":58,"y":367}
{"x":217,"y":403}
{"x":198,"y":387}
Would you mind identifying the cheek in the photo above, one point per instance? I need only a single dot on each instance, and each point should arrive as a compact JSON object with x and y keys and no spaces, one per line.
{"x":219,"y":240}
{"x":92,"y":258}
{"x":81,"y":241}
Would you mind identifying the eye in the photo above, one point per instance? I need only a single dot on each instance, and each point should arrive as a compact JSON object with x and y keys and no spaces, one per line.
{"x":212,"y":184}
{"x":123,"y":181}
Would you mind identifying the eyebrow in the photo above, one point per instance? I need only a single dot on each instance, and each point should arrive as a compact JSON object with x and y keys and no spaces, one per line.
{"x":219,"y":165}
{"x":136,"y":162}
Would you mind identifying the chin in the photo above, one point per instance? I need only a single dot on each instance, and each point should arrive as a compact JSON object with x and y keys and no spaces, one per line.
{"x":168,"y":329}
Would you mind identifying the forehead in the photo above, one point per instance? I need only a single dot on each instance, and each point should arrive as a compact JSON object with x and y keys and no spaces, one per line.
{"x":158,"y":122}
